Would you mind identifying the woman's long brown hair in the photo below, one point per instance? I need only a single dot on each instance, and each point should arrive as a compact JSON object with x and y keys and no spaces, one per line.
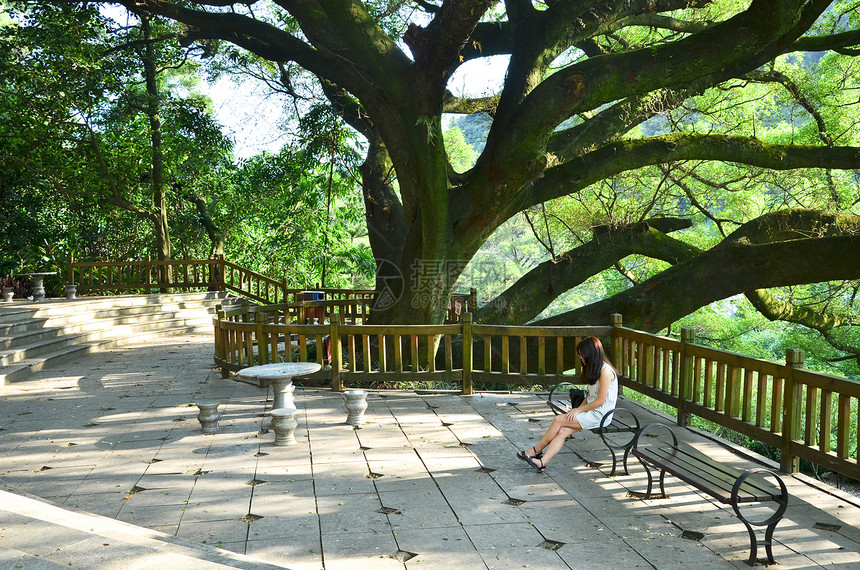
{"x":591,"y":350}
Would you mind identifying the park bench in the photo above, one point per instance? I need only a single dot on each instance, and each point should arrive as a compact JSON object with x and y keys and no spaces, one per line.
{"x":723,"y":483}
{"x":621,"y":420}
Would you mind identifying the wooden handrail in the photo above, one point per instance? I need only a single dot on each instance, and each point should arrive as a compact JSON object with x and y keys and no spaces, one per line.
{"x":247,"y":334}
{"x":145,"y":275}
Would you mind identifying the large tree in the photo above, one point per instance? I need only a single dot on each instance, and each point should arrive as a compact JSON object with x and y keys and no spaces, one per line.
{"x":101,"y":127}
{"x":582,"y":83}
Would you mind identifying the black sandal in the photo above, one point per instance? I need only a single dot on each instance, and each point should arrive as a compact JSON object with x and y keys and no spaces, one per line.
{"x":525,"y":457}
{"x":540,"y":469}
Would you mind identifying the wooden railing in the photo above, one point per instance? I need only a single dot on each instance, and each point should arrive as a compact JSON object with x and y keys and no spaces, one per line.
{"x":251,"y":284}
{"x":120,"y":276}
{"x":219,"y":274}
{"x":268,"y":291}
{"x":459,"y":352}
{"x":801,"y":413}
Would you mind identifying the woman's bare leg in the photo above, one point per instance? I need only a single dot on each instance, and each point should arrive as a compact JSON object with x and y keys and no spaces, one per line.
{"x":555,"y":435}
{"x":557,"y":443}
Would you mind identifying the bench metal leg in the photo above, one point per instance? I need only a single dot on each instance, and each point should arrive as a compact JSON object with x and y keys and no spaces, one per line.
{"x":768,"y":543}
{"x":754,"y":542}
{"x":770,"y":523}
{"x":650,"y":478}
{"x":615,"y":463}
{"x":663,"y":494}
{"x":626,"y":457}
{"x":615,"y":460}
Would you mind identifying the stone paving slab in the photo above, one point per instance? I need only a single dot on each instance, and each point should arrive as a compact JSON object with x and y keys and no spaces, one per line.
{"x":431,"y":481}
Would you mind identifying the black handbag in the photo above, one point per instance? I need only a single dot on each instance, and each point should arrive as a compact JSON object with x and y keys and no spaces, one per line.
{"x":577,"y":397}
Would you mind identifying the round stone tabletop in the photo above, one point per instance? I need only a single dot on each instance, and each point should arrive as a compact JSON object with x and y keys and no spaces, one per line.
{"x":279,"y":370}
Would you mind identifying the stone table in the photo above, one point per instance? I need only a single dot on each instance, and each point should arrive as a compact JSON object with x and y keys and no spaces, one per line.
{"x":280,"y":376}
{"x":38,"y":284}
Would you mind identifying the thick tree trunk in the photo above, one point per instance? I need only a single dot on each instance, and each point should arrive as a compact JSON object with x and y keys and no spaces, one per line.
{"x":418,"y":257}
{"x":159,"y":198}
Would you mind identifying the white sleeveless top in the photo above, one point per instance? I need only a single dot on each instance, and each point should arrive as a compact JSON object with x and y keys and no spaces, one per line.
{"x":591,"y":418}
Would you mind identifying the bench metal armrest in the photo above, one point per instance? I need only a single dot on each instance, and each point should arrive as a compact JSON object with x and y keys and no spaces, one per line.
{"x":557,"y":410}
{"x":653,"y":427}
{"x":782,"y":500}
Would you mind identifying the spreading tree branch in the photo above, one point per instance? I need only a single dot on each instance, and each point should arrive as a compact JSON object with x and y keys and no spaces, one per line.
{"x":764,"y":253}
{"x":464,"y":106}
{"x":535,"y":290}
{"x":776,"y":310}
{"x":622,"y":156}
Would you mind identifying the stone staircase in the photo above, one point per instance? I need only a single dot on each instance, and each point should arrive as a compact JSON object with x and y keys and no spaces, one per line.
{"x":36,"y":335}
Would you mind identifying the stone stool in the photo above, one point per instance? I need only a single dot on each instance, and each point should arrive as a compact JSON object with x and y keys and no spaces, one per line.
{"x":355,"y":402}
{"x":284,"y":424}
{"x":209,"y":415}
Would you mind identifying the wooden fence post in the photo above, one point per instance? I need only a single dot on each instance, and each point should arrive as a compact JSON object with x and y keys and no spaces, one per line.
{"x":222,"y":344}
{"x":147,"y":276}
{"x":685,"y":377}
{"x":467,"y":389}
{"x":262,"y":344}
{"x":248,"y":340}
{"x":616,"y":321}
{"x":791,"y":406}
{"x":336,"y":355}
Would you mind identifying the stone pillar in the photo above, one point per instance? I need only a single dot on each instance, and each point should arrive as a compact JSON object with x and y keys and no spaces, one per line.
{"x":282,"y":391}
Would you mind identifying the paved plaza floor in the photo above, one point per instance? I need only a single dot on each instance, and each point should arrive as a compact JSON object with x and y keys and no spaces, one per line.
{"x":103,"y":465}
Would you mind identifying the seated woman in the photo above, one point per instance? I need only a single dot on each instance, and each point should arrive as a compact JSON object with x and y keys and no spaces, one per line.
{"x":602,"y":381}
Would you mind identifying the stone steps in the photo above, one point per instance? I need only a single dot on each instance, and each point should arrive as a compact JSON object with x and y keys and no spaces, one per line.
{"x":34,"y":336}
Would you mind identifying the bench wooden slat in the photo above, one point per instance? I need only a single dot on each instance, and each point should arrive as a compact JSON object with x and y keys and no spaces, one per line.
{"x":700,"y":471}
{"x":757,"y":492}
